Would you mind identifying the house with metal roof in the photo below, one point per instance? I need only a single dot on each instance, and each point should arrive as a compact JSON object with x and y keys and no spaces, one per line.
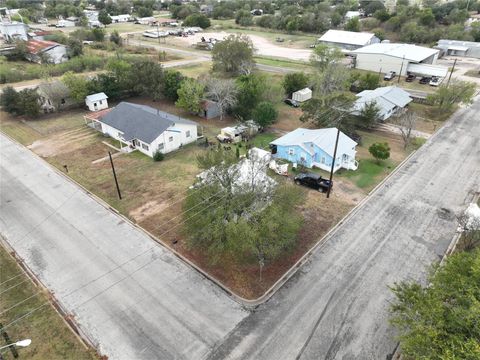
{"x":143,"y":128}
{"x":348,"y":40}
{"x":42,"y":51}
{"x":315,"y":148}
{"x":401,"y":58}
{"x":389,"y":100}
{"x":97,"y":101}
{"x":459,"y":48}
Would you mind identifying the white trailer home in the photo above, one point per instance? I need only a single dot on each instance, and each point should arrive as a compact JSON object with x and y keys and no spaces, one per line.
{"x":302,"y":95}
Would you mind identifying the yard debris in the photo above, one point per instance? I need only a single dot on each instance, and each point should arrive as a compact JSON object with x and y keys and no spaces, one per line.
{"x":470,"y":220}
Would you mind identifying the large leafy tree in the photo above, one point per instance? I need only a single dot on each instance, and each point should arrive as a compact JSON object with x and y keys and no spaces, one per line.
{"x":9,"y":100}
{"x":454,"y":93}
{"x":265,"y":114}
{"x":77,"y":84}
{"x":244,"y":222}
{"x":172,"y":80}
{"x":294,"y":81}
{"x":441,"y":321}
{"x":190,"y":94}
{"x":233,"y":55}
{"x":104,"y":18}
{"x":333,"y":110}
{"x":147,"y":77}
{"x":251,"y":90}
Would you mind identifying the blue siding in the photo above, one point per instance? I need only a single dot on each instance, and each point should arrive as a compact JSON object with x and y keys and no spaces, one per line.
{"x":298,"y":153}
{"x":319,"y":156}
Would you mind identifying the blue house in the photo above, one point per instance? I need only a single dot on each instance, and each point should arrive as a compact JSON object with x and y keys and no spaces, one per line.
{"x":315,"y":148}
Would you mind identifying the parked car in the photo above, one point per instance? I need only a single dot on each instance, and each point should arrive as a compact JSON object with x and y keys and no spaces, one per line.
{"x":389,"y":76}
{"x":292,"y":103}
{"x":279,"y":39}
{"x":425,"y":80}
{"x":313,"y":181}
{"x":410,"y":77}
{"x":436,"y":81}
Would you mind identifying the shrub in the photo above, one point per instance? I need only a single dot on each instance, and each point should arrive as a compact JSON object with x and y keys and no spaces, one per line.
{"x":158,"y":156}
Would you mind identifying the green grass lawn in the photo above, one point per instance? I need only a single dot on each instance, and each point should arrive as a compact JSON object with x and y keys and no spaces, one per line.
{"x":51,"y":338}
{"x":263,"y":139}
{"x":368,"y":173}
{"x":297,"y":65}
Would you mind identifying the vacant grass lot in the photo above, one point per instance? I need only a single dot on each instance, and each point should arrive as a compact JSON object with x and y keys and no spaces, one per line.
{"x":51,"y":338}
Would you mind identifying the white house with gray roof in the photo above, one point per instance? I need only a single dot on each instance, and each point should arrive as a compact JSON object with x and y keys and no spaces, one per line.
{"x":144,"y":128}
{"x":389,"y":100}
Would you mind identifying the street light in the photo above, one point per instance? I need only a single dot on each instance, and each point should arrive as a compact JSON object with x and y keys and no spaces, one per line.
{"x":21,"y":343}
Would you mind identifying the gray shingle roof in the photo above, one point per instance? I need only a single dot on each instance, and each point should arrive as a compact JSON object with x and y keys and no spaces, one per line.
{"x":140,"y":121}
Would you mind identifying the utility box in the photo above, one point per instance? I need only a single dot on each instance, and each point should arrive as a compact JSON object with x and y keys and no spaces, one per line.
{"x":302,"y":95}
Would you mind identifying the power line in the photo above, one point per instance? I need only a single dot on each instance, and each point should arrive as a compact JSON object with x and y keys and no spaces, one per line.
{"x":19,"y":303}
{"x":14,"y":277}
{"x":110,"y":271}
{"x":14,"y":286}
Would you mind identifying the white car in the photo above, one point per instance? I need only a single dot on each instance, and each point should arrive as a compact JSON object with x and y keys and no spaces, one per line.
{"x":436,"y":81}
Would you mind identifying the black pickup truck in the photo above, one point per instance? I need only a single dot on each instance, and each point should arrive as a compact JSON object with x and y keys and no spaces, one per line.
{"x":313,"y":181}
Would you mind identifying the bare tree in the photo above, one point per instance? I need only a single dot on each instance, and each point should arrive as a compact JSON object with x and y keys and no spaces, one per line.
{"x":470,"y":228}
{"x":53,"y":93}
{"x":406,"y":124}
{"x":223,"y":92}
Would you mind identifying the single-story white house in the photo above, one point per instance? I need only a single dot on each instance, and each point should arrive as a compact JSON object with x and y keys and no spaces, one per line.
{"x":389,"y":100}
{"x":41,"y":50}
{"x":97,"y":101}
{"x":302,"y":95}
{"x":121,"y":18}
{"x":401,"y":58}
{"x":149,"y":20}
{"x":143,"y":128}
{"x":315,"y":148}
{"x":348,"y":40}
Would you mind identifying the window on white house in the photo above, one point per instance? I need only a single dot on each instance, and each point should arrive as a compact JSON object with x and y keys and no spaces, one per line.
{"x":187,"y":134}
{"x":100,"y":102}
{"x":145,"y":147}
{"x":170,"y":139}
{"x":119,"y":135}
{"x":160,"y":146}
{"x":94,"y":104}
{"x":291,"y":151}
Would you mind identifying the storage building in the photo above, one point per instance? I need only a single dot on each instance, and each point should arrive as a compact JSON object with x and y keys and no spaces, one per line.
{"x":401,"y":58}
{"x":348,"y":40}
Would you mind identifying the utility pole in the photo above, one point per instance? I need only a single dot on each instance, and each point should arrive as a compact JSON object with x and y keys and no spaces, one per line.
{"x":451,"y":71}
{"x":333,"y":163}
{"x":401,"y":68}
{"x":115,"y":176}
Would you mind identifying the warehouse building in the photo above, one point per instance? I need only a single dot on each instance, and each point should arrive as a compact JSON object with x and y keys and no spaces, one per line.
{"x":401,"y":58}
{"x":348,"y":40}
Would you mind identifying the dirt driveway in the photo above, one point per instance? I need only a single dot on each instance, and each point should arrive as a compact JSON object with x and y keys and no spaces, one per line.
{"x":262,"y":46}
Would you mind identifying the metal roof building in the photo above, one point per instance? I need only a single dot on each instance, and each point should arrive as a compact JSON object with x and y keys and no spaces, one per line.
{"x":459,"y":48}
{"x":388,"y":99}
{"x":348,"y":40}
{"x":385,"y":57}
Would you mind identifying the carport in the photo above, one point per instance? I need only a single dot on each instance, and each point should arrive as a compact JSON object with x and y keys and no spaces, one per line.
{"x":427,"y":70}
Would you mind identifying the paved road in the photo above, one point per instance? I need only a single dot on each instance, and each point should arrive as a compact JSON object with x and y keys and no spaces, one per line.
{"x":336,"y":307}
{"x":153,"y":307}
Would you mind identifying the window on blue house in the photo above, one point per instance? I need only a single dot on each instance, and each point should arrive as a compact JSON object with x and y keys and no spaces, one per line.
{"x":291,"y":151}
